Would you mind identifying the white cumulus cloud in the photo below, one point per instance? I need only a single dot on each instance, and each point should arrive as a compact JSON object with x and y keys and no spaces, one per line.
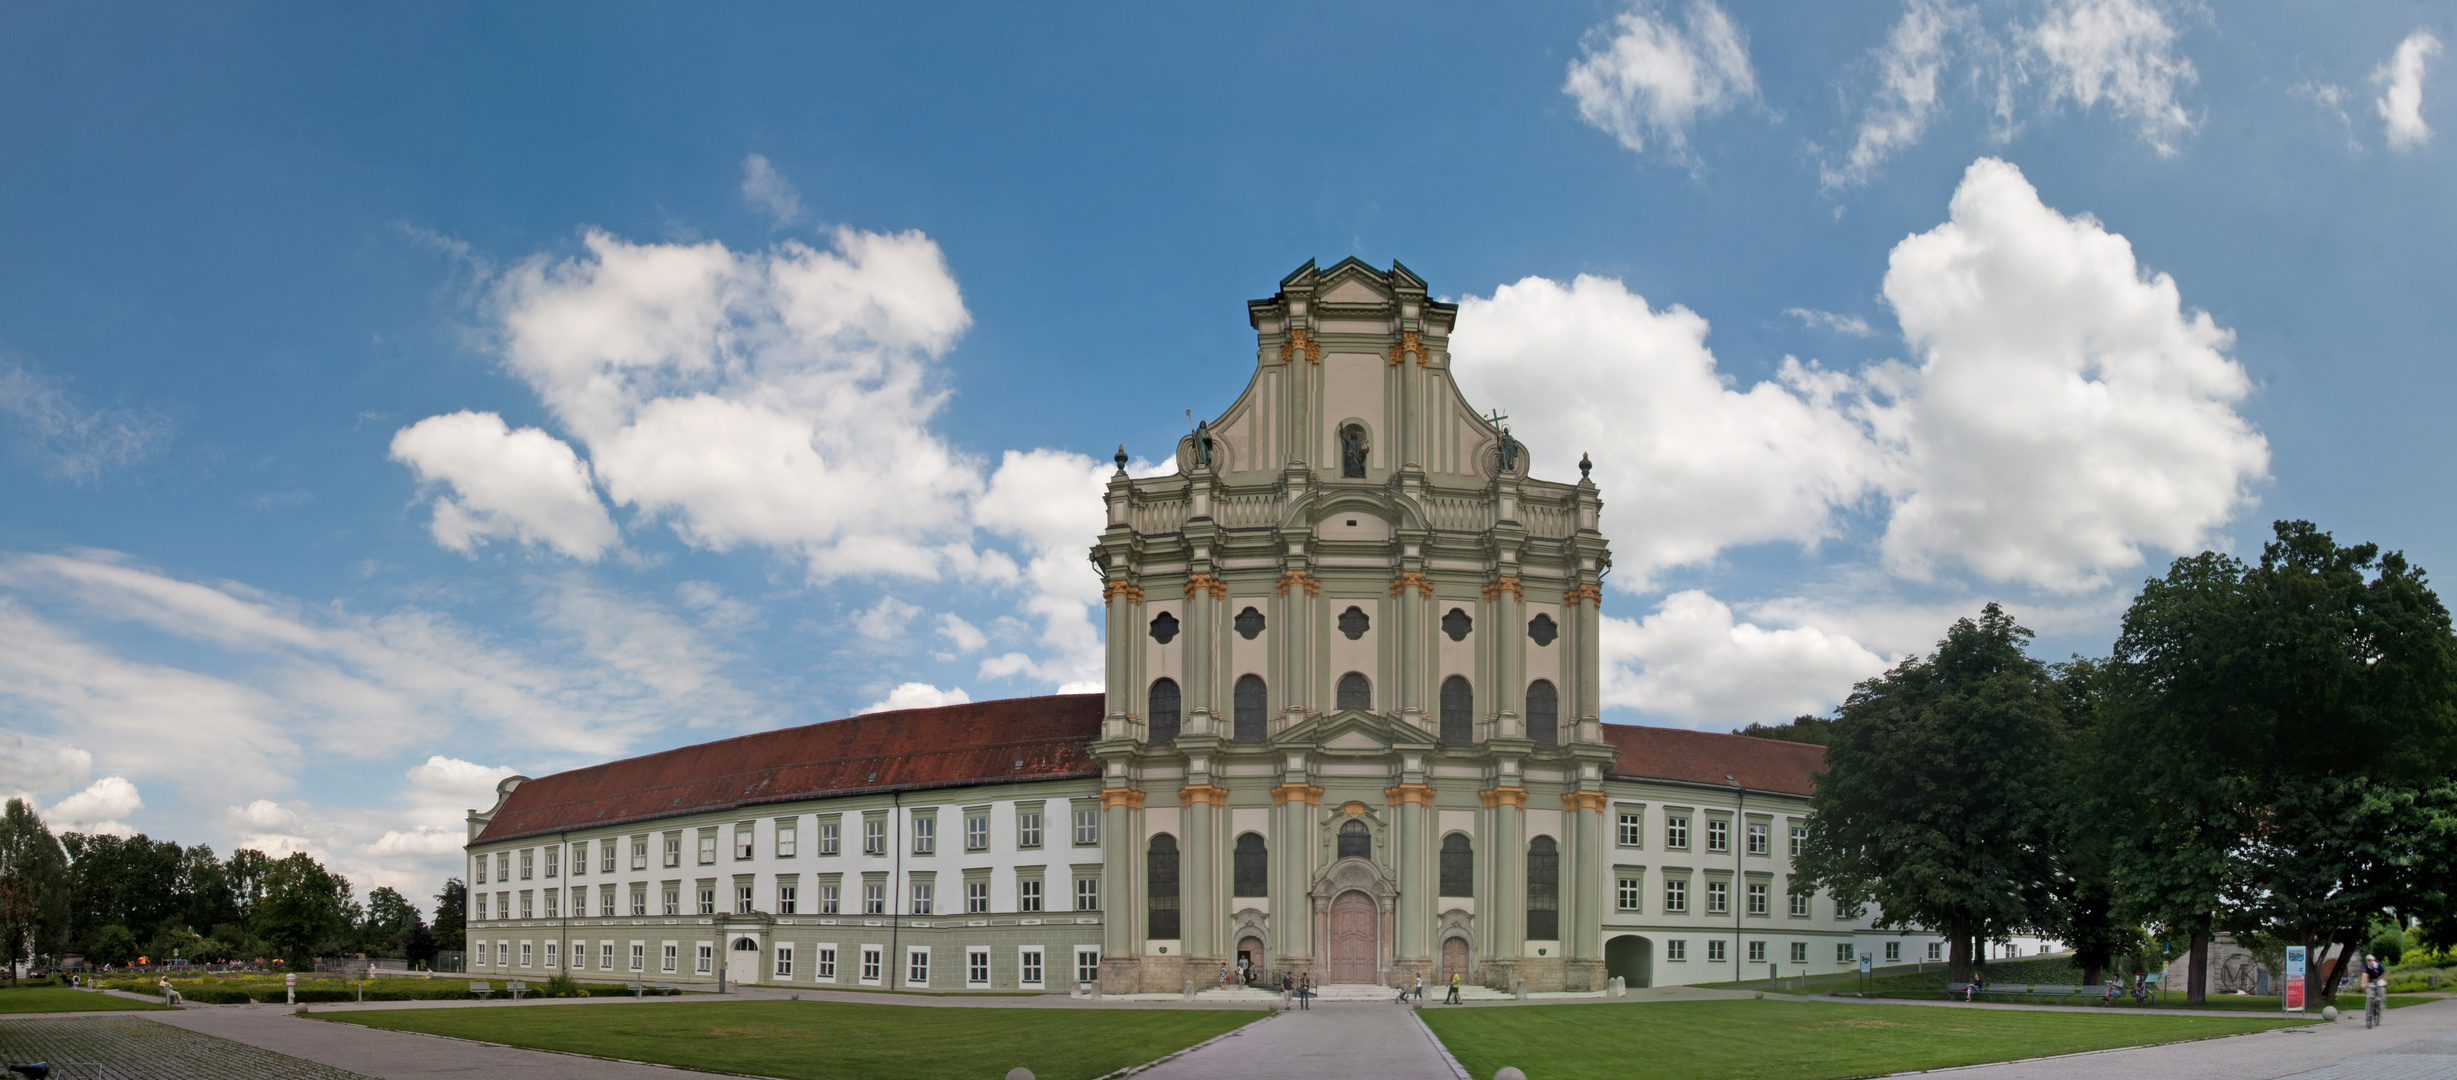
{"x":2121,"y":53}
{"x":102,"y":801}
{"x":2401,"y":90}
{"x":523,"y":485}
{"x":1641,"y":77}
{"x":914,"y":695}
{"x":1690,"y":661}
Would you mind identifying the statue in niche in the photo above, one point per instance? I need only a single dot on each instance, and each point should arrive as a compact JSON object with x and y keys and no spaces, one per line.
{"x":1202,"y":444}
{"x":1352,"y":451}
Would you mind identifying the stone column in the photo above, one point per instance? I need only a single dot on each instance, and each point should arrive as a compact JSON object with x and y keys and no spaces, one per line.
{"x":1509,"y":645}
{"x":1202,"y":697}
{"x":1413,"y":854}
{"x":1121,"y":890}
{"x":1198,"y":886}
{"x":1506,"y":907}
{"x":1582,"y":890}
{"x":1292,"y":849}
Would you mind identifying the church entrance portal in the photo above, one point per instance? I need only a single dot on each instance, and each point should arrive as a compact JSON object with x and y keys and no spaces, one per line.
{"x":1250,"y":958}
{"x":1356,"y":944}
{"x":1454,"y":961}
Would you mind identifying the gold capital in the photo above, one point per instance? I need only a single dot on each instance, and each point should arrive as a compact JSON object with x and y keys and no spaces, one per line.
{"x":1216,"y":587}
{"x":1504,"y":585}
{"x":1132,"y":593}
{"x":1119,"y":796}
{"x":1402,"y":794}
{"x":1503,"y":796}
{"x":1202,"y":793}
{"x":1412,"y":580}
{"x":1582,"y":800}
{"x":1300,"y":579}
{"x":1583,"y":592}
{"x":1309,"y":794}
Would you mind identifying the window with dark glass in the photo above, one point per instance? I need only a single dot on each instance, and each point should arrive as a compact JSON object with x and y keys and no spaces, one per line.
{"x":1160,"y":884}
{"x":1250,"y":703}
{"x":1250,"y":867}
{"x":1458,"y":711}
{"x":1542,"y":631}
{"x":1160,"y":715}
{"x":1355,"y":691}
{"x":1457,"y":624}
{"x":1543,"y":890}
{"x":1458,"y":865}
{"x":1544,"y":714}
{"x":1355,"y":841}
{"x":1164,"y":627}
{"x":1353,"y":623}
{"x":1249,"y":624}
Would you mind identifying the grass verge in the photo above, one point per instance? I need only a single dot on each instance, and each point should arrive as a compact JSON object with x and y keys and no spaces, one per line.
{"x":831,"y":1040}
{"x":52,"y":999}
{"x":1788,"y":1040}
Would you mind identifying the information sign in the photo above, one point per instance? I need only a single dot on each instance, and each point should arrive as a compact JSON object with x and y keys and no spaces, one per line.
{"x":1865,"y":959}
{"x":2292,"y":991}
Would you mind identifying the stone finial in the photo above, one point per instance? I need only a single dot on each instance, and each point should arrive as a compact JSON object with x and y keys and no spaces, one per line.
{"x":1509,"y":1072}
{"x":1583,"y":463}
{"x":1121,"y":458}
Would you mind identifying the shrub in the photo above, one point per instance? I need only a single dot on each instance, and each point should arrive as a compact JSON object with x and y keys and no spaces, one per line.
{"x":324,"y":996}
{"x":215,"y":995}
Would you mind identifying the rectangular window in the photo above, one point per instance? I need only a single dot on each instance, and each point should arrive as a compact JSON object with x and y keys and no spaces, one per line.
{"x":1676,"y":833}
{"x":673,"y":851}
{"x":1676,"y":949}
{"x":528,"y":862}
{"x":605,"y":956}
{"x":1676,"y":897}
{"x":742,"y":899}
{"x":1714,"y":951}
{"x":874,"y":899}
{"x":524,"y":905}
{"x":977,"y":833}
{"x":1800,"y":952}
{"x":829,"y":902}
{"x":786,"y":894}
{"x":550,"y":953}
{"x":1030,"y":968}
{"x":605,"y":856}
{"x":1757,"y":952}
{"x":1757,"y":839}
{"x":1757,"y":899}
{"x":916,"y":966}
{"x":1893,"y":952}
{"x":1718,"y":836}
{"x":481,"y":907}
{"x":1842,"y":953}
{"x":553,"y":857}
{"x":1633,"y":827}
{"x":1028,"y":829}
{"x":708,"y":899}
{"x":503,"y":905}
{"x":639,"y":956}
{"x":1718,"y":898}
{"x":788,"y":837}
{"x":639,"y":901}
{"x":874,"y":837}
{"x":976,"y":898}
{"x":1028,"y":896}
{"x":553,"y":905}
{"x":921,"y":898}
{"x":503,"y":954}
{"x":870,"y":964}
{"x":925,"y":835}
{"x":1087,"y":965}
{"x":823,"y":964}
{"x":744,"y":848}
{"x":524,"y":954}
{"x":639,"y":854}
{"x":976,"y":967}
{"x":708,"y":848}
{"x":1936,"y":950}
{"x":1629,"y":893}
{"x":1800,"y":840}
{"x":1087,"y":827}
{"x":784,"y":961}
{"x":580,"y":859}
{"x":667,"y":960}
{"x":503,"y":866}
{"x":705,"y":959}
{"x":1087,"y":894}
{"x":828,"y":838}
{"x":1800,"y":905}
{"x":605,"y":901}
{"x":673,"y":900}
{"x":481,"y":876}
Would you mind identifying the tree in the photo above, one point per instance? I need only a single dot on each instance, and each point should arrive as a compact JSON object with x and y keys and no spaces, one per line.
{"x":1803,"y":728}
{"x":389,"y":916}
{"x":1938,"y":796}
{"x":452,"y":915}
{"x":33,"y":886}
{"x":111,"y":945}
{"x":205,"y":887}
{"x":2093,"y":922}
{"x":244,"y":875}
{"x":303,"y":907}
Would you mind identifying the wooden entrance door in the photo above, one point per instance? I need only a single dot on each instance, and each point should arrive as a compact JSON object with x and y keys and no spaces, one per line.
{"x":1356,"y":943}
{"x":1454,"y":960}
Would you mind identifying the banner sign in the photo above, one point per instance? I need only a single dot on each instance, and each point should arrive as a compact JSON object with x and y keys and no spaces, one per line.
{"x":2292,"y":990}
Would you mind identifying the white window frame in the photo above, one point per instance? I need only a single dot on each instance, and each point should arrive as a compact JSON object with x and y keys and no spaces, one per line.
{"x":831,"y":837}
{"x":917,"y":965}
{"x":1715,"y":951}
{"x":1677,"y":950}
{"x":1087,"y":894}
{"x":1029,"y":968}
{"x":708,"y":847}
{"x":704,"y":958}
{"x":874,"y":963}
{"x":1676,"y":832}
{"x":925,"y":834}
{"x":788,"y":838}
{"x":784,"y":960}
{"x":1676,"y":896}
{"x":1632,"y":826}
{"x":670,"y":957}
{"x":1028,"y":895}
{"x":1629,"y":892}
{"x":1760,"y":838}
{"x":1087,"y":964}
{"x":976,"y":898}
{"x":823,"y":962}
{"x":976,"y":967}
{"x":924,"y":897}
{"x":1087,"y":828}
{"x":874,"y":836}
{"x":639,"y":956}
{"x":1028,"y":829}
{"x":788,"y":897}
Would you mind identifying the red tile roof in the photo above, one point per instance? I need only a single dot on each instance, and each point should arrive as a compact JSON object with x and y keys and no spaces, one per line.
{"x":1705,"y":757}
{"x":985,"y":742}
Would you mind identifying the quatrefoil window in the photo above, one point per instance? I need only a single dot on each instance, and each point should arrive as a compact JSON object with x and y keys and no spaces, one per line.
{"x":1353,"y":623}
{"x":1542,"y":629}
{"x":1249,"y":623}
{"x":1457,"y":624}
{"x":1164,"y":627}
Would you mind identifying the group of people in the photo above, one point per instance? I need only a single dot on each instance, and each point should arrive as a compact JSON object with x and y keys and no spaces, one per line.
{"x":1300,"y":986}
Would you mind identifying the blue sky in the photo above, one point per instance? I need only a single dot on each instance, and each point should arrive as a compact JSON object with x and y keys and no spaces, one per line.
{"x":390,"y":401}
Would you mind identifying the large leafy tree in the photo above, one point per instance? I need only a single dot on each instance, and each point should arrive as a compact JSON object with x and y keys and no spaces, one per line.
{"x":1939,"y":796}
{"x":303,"y":907}
{"x":452,"y":914}
{"x":34,"y":893}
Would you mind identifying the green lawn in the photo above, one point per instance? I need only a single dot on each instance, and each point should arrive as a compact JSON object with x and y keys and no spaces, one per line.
{"x":1787,"y":1040}
{"x":827,"y":1040}
{"x":51,"y":999}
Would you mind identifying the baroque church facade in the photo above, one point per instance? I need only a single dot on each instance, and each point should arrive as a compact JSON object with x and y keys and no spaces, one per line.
{"x":1350,"y":731}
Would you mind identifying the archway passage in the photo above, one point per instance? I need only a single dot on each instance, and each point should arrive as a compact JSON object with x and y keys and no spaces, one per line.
{"x":1632,"y":958}
{"x":1454,"y":961}
{"x":1354,"y":939}
{"x":1250,"y":958}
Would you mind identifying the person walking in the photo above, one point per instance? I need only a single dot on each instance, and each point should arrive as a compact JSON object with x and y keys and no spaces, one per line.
{"x":2375,"y":990}
{"x":1420,"y":988}
{"x":1305,"y":991}
{"x":1453,"y":997}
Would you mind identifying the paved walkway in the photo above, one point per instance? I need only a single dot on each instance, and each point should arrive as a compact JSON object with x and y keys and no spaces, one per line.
{"x":131,"y":1046}
{"x":2416,"y":1042}
{"x":1349,"y":1040}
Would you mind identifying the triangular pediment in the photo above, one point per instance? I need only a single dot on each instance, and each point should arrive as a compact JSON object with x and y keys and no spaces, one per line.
{"x":1355,"y":731}
{"x":1354,"y":740}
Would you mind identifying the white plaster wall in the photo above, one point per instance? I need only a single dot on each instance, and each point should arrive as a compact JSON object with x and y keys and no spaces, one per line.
{"x":1248,"y":657}
{"x":1543,"y":662}
{"x":1352,"y":387}
{"x":1364,"y":653}
{"x":1544,"y":822}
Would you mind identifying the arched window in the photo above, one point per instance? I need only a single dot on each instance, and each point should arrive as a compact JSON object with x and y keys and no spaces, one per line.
{"x":1252,"y":702}
{"x":1458,"y":711}
{"x":1544,"y":713}
{"x":1356,"y":691}
{"x":1160,"y":881}
{"x":1250,"y":867}
{"x":1355,"y":841}
{"x":1458,"y":865}
{"x":1161,"y":716}
{"x":1543,"y":890}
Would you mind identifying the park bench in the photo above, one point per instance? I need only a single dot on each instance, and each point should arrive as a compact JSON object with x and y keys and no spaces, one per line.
{"x":481,"y":988}
{"x":2008,"y":992}
{"x":517,"y":987}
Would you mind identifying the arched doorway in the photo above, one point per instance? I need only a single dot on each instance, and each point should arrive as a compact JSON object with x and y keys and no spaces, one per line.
{"x":1250,"y":958}
{"x":742,"y":961}
{"x":1454,"y":962}
{"x":1632,"y":958}
{"x":1355,"y":939}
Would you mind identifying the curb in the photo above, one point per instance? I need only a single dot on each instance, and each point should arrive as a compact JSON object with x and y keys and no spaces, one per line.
{"x":1457,"y":1071}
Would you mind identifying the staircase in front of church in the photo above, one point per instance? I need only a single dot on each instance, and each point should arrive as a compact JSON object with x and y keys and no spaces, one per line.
{"x":1350,"y":992}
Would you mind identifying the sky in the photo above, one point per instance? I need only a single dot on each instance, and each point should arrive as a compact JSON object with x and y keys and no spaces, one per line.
{"x":395,"y":399}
